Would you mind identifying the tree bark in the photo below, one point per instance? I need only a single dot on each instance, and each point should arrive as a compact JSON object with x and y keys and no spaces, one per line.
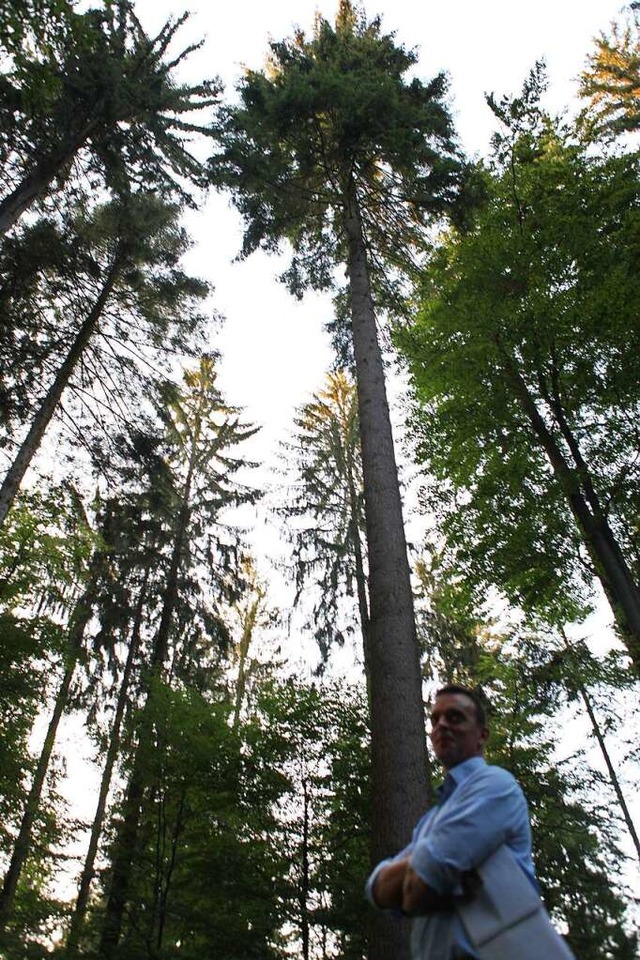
{"x":29,"y":446}
{"x":610,"y":566}
{"x":34,"y":183}
{"x":398,"y":746}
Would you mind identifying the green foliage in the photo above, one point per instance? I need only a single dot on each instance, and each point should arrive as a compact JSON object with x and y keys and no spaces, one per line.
{"x":526,"y":343}
{"x":45,"y":557}
{"x":324,"y":811}
{"x":207,"y":858}
{"x":96,"y":82}
{"x":330,"y":119}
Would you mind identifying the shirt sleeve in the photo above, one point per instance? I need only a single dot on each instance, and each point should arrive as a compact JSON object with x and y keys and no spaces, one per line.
{"x":479,"y":816}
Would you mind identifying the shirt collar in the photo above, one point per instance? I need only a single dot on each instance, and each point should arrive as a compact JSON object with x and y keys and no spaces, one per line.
{"x":462,"y":771}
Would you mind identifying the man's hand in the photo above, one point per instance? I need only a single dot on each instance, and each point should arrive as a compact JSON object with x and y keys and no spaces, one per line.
{"x":418,"y":898}
{"x":387,"y":890}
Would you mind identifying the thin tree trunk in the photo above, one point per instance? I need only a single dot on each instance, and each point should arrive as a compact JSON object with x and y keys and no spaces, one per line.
{"x":84,"y":887}
{"x":615,"y":783}
{"x":162,"y":914}
{"x":361,"y":582}
{"x":29,"y":446}
{"x":79,"y":620}
{"x":613,"y":777}
{"x":611,"y":568}
{"x":245,"y":641}
{"x":305,"y":873}
{"x":35,"y":183}
{"x":122,"y":861}
{"x":398,"y":746}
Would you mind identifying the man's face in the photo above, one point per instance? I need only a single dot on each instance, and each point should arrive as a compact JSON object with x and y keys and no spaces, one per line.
{"x":456,"y":734}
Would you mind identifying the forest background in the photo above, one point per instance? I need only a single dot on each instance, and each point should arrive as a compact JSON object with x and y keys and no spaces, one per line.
{"x":172,"y":577}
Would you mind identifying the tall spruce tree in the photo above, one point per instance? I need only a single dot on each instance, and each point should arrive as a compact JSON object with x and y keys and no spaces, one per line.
{"x":201,"y":435}
{"x":324,"y":511}
{"x":334,"y":151}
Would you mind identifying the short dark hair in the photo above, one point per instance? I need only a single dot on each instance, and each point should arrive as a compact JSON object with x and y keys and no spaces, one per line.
{"x":481,"y":713}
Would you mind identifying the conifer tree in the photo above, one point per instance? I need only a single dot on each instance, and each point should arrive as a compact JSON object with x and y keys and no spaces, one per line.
{"x":130,"y":284}
{"x":324,"y":510}
{"x":99,"y":90}
{"x":610,"y":82}
{"x":332,"y":150}
{"x":201,"y":434}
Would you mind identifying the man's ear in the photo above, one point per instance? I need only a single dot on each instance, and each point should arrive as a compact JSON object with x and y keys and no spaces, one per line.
{"x":484,"y":735}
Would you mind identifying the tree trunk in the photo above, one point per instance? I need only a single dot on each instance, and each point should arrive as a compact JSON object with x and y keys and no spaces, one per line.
{"x":34,"y":184}
{"x":79,"y":620}
{"x":361,"y":582}
{"x":29,"y":446}
{"x":164,"y":898}
{"x":84,"y":887}
{"x":610,"y":566}
{"x":615,"y":783}
{"x":245,"y":640}
{"x":305,"y":874}
{"x":613,"y":777}
{"x":398,"y":747}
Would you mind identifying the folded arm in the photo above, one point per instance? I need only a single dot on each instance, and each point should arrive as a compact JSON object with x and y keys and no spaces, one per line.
{"x":397,"y":886}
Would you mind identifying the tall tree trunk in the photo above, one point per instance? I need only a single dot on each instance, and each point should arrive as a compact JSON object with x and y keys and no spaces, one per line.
{"x":398,"y":746}
{"x":29,"y":446}
{"x":79,"y":620}
{"x":86,"y":878}
{"x":35,"y":183}
{"x":610,"y":566}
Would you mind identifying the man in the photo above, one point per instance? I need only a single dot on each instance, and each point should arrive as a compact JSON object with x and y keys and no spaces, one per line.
{"x":480,"y":809}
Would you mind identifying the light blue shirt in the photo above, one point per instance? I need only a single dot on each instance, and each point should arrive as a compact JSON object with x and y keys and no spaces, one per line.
{"x":480,"y":808}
